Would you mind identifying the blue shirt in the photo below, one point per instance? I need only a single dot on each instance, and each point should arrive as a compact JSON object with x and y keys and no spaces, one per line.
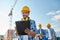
{"x":32,"y":28}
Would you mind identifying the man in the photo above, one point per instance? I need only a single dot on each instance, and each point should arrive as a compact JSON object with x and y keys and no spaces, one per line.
{"x":50,"y":32}
{"x":25,"y":13}
{"x":41,"y":33}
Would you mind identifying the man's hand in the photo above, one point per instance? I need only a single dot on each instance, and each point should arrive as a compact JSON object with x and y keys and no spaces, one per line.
{"x":29,"y":32}
{"x":53,"y":36}
{"x":41,"y":34}
{"x":37,"y":35}
{"x":16,"y":31}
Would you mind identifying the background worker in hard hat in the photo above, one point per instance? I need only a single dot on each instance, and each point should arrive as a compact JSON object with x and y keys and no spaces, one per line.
{"x":51,"y":33}
{"x":41,"y":33}
{"x":25,"y":17}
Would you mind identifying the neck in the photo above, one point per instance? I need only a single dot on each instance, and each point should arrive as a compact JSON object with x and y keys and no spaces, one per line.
{"x":48,"y":28}
{"x":40,"y":28}
{"x":25,"y":19}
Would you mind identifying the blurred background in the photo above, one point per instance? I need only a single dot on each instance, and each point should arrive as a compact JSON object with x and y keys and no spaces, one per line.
{"x":42,"y":11}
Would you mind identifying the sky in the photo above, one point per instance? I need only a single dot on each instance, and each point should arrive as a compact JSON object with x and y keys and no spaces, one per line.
{"x":42,"y":11}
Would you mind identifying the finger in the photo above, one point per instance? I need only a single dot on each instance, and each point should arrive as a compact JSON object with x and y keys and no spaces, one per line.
{"x":28,"y":29}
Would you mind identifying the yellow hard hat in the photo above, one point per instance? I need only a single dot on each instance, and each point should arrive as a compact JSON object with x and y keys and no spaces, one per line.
{"x":48,"y":24}
{"x":25,"y":8}
{"x":39,"y":24}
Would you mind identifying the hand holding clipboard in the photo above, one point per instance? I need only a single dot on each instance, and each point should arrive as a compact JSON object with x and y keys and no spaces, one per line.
{"x":29,"y":32}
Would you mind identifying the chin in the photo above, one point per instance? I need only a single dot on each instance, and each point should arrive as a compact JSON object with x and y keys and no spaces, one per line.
{"x":24,"y":16}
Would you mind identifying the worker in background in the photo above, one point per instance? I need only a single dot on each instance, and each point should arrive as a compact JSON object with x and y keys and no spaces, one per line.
{"x":41,"y":33}
{"x":50,"y":32}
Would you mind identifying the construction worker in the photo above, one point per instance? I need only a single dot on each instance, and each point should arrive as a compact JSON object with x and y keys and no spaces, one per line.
{"x":41,"y":33}
{"x":25,"y":17}
{"x":50,"y":32}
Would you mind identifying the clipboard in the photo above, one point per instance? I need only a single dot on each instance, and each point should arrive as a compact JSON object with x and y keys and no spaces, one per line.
{"x":21,"y":26}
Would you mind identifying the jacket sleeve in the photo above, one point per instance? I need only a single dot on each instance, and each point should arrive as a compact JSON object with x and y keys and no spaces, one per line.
{"x":33,"y":26}
{"x":53,"y":32}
